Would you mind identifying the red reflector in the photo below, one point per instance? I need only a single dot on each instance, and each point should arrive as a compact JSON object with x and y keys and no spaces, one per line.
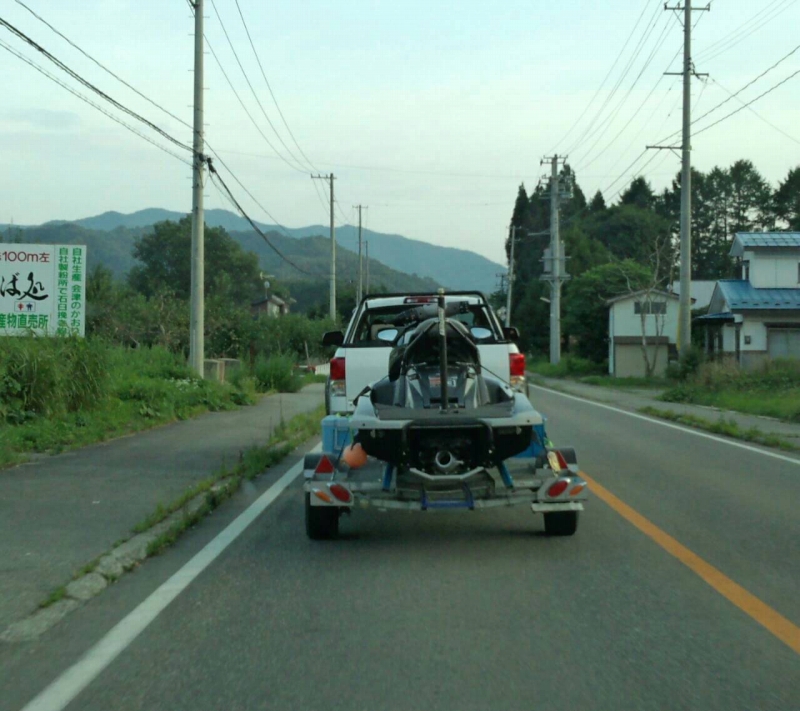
{"x":516,"y":362}
{"x":325,"y":466}
{"x":561,"y":460}
{"x":338,"y":370}
{"x":558,"y":488}
{"x":340,"y":492}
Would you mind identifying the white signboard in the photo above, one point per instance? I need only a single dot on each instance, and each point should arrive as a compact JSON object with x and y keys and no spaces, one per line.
{"x":42,"y":289}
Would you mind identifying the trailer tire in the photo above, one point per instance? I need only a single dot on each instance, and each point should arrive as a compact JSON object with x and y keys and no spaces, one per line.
{"x":322,"y":522}
{"x":561,"y":523}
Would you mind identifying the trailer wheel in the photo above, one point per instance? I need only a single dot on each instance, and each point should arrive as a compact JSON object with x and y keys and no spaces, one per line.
{"x":561,"y":523}
{"x":322,"y":522}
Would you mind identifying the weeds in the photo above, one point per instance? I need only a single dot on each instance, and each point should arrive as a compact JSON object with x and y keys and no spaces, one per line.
{"x":54,"y":597}
{"x":723,"y":426}
{"x":569,"y":366}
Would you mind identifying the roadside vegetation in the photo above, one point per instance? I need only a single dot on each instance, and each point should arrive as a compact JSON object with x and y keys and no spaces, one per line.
{"x":723,"y":426}
{"x":130,"y":372}
{"x":772,"y":390}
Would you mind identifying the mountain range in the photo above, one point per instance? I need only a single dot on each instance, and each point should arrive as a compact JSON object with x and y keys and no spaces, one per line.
{"x":448,"y":266}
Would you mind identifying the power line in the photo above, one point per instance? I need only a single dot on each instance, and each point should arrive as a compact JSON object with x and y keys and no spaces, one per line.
{"x":91,"y":86}
{"x":733,"y":96}
{"x":744,"y":106}
{"x":756,"y":114}
{"x":298,"y":167}
{"x":602,"y":83}
{"x":91,"y":103}
{"x":266,"y":81}
{"x":103,"y":67}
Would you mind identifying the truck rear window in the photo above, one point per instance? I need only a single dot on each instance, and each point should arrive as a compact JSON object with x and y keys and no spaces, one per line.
{"x":373,"y":321}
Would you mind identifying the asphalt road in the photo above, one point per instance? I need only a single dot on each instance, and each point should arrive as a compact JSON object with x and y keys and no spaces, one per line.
{"x":477,"y":611}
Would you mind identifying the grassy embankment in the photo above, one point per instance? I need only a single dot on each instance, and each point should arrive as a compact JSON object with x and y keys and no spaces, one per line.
{"x":57,"y":394}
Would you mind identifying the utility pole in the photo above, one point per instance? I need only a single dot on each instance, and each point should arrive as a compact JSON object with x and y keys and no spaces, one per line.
{"x":556,"y":274}
{"x":332,"y":314}
{"x":366,"y":246}
{"x":197,"y":308}
{"x":360,"y":294}
{"x":685,"y":296}
{"x":510,"y":275}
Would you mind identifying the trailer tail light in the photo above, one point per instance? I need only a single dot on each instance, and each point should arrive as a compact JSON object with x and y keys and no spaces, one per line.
{"x":323,"y":496}
{"x":556,"y":461}
{"x":324,"y":466}
{"x":341,"y":493}
{"x":338,"y":377}
{"x":575,"y":490}
{"x":558,"y":488}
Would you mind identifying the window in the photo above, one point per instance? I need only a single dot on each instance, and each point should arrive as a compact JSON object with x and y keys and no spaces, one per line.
{"x":746,"y":270}
{"x":650,"y":307}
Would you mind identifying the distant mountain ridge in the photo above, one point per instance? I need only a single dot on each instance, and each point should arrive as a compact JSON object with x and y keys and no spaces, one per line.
{"x":452,"y":267}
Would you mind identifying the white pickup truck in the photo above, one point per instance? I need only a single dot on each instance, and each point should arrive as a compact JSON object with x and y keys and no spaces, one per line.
{"x":362,"y":356}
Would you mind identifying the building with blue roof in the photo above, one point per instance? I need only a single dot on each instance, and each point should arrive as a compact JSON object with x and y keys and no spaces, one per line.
{"x":757,"y":317}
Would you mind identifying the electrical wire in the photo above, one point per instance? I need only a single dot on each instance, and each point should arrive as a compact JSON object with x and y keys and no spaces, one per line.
{"x":744,"y":106}
{"x":297,"y":165}
{"x":756,"y":114}
{"x":602,"y":83}
{"x":103,"y":67}
{"x":21,"y":35}
{"x":91,"y":103}
{"x":271,"y":93}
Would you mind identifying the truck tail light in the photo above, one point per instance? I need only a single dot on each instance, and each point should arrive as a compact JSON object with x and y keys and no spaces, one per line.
{"x":341,"y":493}
{"x":516,"y":363}
{"x":338,"y":370}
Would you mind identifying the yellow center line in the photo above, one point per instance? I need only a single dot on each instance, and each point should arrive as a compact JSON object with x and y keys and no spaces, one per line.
{"x":785,"y":630}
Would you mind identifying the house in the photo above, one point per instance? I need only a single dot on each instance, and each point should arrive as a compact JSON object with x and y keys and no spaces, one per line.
{"x":271,"y":306}
{"x":700,"y":291}
{"x":757,"y":317}
{"x":652,"y":312}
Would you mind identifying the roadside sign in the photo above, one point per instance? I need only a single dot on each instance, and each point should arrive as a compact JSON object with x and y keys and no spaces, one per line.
{"x":42,"y":289}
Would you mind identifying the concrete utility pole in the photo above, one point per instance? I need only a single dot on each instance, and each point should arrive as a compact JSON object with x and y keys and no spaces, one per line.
{"x":366,"y":247}
{"x":510,"y":275}
{"x":557,"y":274}
{"x":685,"y":297}
{"x":332,"y":313}
{"x":360,"y":294}
{"x":197,"y":309}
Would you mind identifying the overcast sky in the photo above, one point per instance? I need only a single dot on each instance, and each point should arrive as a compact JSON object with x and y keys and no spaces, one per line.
{"x":431,"y":113}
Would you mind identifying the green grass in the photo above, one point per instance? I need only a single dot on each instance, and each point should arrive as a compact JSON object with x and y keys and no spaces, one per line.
{"x":608,"y":381}
{"x":772,"y":391}
{"x":723,"y":426}
{"x":54,"y":597}
{"x":568,"y":367}
{"x":138,"y":389}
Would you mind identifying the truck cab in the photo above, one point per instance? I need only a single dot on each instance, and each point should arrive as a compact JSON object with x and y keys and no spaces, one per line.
{"x":362,"y":353}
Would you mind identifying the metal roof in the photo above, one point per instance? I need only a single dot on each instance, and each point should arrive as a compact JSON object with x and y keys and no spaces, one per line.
{"x":741,"y":295}
{"x":764,"y":240}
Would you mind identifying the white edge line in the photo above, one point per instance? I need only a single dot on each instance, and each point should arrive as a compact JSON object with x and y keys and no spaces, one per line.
{"x":61,"y":692}
{"x":673,"y":426}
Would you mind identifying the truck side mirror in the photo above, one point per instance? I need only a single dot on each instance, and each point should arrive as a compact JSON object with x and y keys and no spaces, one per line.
{"x":333,"y":338}
{"x":511,"y":333}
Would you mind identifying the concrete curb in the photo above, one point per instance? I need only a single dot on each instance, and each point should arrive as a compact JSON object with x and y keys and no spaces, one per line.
{"x":124,"y":557}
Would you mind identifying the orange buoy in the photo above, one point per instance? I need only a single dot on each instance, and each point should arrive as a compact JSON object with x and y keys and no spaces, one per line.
{"x":354,"y":456}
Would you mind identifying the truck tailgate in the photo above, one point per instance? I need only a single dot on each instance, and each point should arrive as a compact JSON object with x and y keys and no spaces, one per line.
{"x":365,"y":366}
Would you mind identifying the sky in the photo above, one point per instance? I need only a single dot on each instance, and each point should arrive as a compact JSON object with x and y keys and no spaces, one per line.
{"x":429,"y":113}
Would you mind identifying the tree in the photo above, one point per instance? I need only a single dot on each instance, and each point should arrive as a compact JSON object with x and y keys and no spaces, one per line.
{"x":627,"y":231}
{"x":786,"y":201}
{"x":165,"y":254}
{"x":598,"y":203}
{"x":639,"y":194}
{"x":750,"y":198}
{"x":585,"y":309}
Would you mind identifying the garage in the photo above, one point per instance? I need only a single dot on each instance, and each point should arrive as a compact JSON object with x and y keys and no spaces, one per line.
{"x":784,"y":342}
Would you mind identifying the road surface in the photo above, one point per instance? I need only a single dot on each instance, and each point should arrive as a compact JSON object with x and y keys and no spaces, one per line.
{"x":679,"y":591}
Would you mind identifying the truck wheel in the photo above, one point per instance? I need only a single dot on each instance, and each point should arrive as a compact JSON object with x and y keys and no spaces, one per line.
{"x":561,"y":523}
{"x":322,"y":522}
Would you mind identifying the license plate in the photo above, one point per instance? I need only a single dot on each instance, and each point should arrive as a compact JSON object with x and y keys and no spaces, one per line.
{"x":436,"y":381}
